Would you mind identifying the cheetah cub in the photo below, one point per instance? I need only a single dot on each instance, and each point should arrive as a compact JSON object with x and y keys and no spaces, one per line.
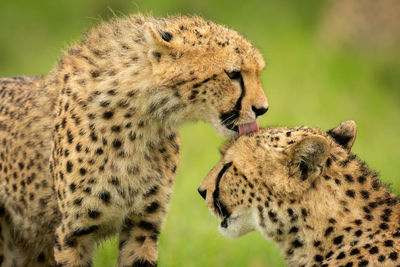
{"x":303,"y":189}
{"x":91,"y":150}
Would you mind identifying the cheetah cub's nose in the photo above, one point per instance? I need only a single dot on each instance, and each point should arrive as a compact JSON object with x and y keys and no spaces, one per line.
{"x":202,"y":192}
{"x":259,"y":111}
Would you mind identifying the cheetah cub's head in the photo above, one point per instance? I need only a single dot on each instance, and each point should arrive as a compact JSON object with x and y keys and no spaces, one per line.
{"x":214,"y":71}
{"x":261,"y":171}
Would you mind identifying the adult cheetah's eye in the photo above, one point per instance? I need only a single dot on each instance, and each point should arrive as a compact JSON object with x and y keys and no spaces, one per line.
{"x":234,"y":75}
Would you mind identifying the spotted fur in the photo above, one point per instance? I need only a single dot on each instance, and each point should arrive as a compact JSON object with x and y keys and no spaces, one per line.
{"x":91,"y":150}
{"x":303,"y":189}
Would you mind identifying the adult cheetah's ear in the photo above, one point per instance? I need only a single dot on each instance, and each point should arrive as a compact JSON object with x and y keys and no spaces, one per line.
{"x":344,"y":134}
{"x":157,"y":38}
{"x":307,"y":157}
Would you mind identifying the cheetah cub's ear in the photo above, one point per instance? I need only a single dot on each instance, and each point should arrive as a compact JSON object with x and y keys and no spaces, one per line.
{"x":344,"y":134}
{"x":307,"y":158}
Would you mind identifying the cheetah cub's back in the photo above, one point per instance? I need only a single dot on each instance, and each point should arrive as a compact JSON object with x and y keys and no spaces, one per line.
{"x":92,"y":149}
{"x":303,"y":189}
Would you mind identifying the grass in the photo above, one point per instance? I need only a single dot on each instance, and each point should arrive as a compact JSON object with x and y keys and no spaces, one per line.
{"x":306,"y":84}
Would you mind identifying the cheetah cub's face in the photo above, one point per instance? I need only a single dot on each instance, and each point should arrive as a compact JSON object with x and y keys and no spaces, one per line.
{"x":215,"y":72}
{"x":261,"y":170}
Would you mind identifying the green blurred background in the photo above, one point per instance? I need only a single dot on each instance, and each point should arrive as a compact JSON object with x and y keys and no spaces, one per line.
{"x":326,"y":64}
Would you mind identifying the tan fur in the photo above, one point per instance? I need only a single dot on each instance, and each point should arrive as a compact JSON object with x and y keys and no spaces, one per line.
{"x":303,"y":189}
{"x":92,"y":149}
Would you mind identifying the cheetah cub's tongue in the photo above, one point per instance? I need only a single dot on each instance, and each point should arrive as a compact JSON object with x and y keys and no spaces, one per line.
{"x":248,"y":128}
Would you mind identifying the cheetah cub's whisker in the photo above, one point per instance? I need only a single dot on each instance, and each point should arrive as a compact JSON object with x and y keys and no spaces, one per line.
{"x":92,"y":149}
{"x":303,"y":189}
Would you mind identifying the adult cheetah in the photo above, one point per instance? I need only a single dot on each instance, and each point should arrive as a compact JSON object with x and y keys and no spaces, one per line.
{"x":303,"y":189}
{"x":91,"y":150}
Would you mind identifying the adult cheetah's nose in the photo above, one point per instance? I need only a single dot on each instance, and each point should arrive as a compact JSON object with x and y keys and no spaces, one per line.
{"x":259,"y":111}
{"x":202,"y":192}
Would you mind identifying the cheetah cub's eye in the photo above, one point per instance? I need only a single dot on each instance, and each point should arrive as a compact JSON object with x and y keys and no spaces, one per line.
{"x":234,"y":75}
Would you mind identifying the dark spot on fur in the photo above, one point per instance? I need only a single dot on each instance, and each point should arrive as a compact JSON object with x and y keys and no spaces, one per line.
{"x":354,"y":251}
{"x":116,"y":128}
{"x":393,"y":256}
{"x":151,"y":192}
{"x":349,"y":178}
{"x":72,"y":187}
{"x":147,"y":226}
{"x":117,"y":143}
{"x":350,"y":193}
{"x":297,"y":244}
{"x":384,"y":226}
{"x":157,"y":55}
{"x":388,"y":243}
{"x":70,"y":137}
{"x":341,"y":255}
{"x":364,"y":194}
{"x":328,"y":231}
{"x":95,"y":73}
{"x":153,"y":207}
{"x":93,"y":214}
{"x":374,"y":250}
{"x":108,"y":115}
{"x":105,"y":196}
{"x":78,"y":201}
{"x":82,"y":171}
{"x":318,"y":258}
{"x":338,"y":240}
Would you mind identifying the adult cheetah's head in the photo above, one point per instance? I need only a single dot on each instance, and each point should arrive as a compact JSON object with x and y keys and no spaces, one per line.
{"x":259,"y":171}
{"x":214,"y":71}
{"x":172,"y":70}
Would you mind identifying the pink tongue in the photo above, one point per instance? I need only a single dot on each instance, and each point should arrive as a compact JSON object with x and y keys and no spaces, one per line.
{"x":248,"y":128}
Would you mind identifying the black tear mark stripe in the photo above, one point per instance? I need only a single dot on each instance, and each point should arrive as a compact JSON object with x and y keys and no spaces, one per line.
{"x":228,"y":118}
{"x":219,"y":207}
